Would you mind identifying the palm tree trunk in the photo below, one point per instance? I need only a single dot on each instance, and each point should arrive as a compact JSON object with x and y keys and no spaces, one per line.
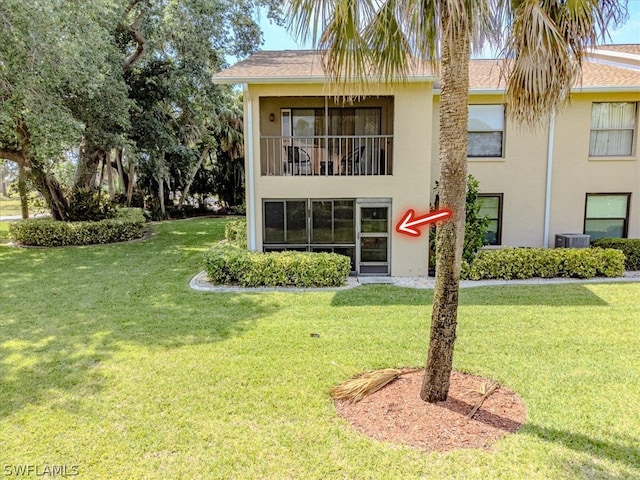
{"x":454,"y":77}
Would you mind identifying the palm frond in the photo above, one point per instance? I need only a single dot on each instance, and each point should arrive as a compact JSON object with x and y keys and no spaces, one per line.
{"x":355,"y":389}
{"x":545,"y":48}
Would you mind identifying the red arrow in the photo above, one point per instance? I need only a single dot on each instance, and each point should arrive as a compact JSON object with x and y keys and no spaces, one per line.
{"x":408,"y":223}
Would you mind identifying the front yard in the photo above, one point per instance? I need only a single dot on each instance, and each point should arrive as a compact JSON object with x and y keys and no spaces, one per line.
{"x":109,"y":363}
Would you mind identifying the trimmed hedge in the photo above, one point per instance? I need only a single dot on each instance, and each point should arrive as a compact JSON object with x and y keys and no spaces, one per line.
{"x":629,"y":246}
{"x":227,"y":264}
{"x":235,"y":232}
{"x":521,"y":263}
{"x":128,"y":224}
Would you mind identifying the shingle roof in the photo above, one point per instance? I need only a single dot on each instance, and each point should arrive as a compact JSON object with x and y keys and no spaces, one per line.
{"x":601,"y":75}
{"x":289,"y":66}
{"x":633,"y":48}
{"x":304,"y":66}
{"x":485,"y":75}
{"x":276,"y":65}
{"x":627,"y":56}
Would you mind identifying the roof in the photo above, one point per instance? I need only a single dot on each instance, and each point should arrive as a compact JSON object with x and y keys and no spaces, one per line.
{"x":632,"y":48}
{"x":485,"y":76}
{"x":289,"y":66}
{"x":599,"y":72}
{"x":627,"y":56}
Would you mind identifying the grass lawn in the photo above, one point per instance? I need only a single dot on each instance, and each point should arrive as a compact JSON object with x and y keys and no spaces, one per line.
{"x":4,"y":232}
{"x":109,"y":362}
{"x":9,"y":206}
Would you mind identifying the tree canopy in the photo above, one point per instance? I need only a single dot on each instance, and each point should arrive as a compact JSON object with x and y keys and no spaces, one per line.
{"x":125,"y":84}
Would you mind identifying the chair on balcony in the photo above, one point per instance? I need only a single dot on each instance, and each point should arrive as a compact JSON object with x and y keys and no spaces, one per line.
{"x":298,"y":161}
{"x":350,"y":163}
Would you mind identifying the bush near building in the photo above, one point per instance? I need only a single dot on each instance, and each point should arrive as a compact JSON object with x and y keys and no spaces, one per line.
{"x":227,"y":264}
{"x":521,"y":263}
{"x":629,"y":246}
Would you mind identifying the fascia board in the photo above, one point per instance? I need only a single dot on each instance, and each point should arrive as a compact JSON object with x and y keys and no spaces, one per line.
{"x":301,"y":80}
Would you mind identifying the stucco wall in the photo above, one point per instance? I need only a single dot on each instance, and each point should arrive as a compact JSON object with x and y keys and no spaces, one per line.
{"x":521,"y":175}
{"x":408,"y":187}
{"x":575,"y":174}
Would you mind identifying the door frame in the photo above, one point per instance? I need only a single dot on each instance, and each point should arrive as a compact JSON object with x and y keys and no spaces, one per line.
{"x":372,"y":203}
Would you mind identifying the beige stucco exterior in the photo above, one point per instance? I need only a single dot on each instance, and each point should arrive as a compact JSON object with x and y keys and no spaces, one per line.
{"x":408,"y":187}
{"x":521,"y":175}
{"x":543,"y":176}
{"x":575,"y":173}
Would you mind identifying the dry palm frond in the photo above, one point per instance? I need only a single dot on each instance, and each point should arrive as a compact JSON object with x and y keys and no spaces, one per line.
{"x":486,"y":389}
{"x":355,"y":389}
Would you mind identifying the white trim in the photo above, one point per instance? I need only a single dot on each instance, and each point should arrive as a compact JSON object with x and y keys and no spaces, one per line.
{"x":615,"y":58}
{"x":547,"y":196}
{"x":306,"y":79}
{"x":250,"y":165}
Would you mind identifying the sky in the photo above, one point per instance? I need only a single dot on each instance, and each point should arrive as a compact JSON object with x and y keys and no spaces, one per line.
{"x":278,"y":38}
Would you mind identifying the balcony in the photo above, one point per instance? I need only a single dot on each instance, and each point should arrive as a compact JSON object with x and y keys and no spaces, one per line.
{"x":352,"y":155}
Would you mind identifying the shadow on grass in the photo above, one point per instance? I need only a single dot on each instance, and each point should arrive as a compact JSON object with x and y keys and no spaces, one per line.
{"x":543,"y":295}
{"x":67,"y":311}
{"x":566,"y":295}
{"x":623,"y":450}
{"x":381,"y":295}
{"x":63,"y":349}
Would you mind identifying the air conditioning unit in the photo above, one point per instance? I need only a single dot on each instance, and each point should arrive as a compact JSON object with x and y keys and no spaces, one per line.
{"x":572,"y":240}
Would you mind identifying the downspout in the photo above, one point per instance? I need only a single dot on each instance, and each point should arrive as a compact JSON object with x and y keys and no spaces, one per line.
{"x":547,"y":198}
{"x":249,"y":162}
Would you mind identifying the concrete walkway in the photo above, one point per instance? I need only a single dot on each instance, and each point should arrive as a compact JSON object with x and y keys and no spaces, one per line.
{"x":12,"y":218}
{"x":200,"y":283}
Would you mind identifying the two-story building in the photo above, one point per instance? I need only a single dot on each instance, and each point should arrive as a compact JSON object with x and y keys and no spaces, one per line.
{"x":326,"y":174}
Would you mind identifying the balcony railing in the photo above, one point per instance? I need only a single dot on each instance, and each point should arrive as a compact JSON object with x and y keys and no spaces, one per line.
{"x":327,"y":155}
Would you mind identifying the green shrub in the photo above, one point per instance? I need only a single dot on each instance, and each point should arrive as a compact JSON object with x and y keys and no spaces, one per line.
{"x":629,"y":246}
{"x":230,"y":264}
{"x":521,"y":263}
{"x":221,"y":263}
{"x":90,"y":205}
{"x":238,"y":209}
{"x":475,"y":226}
{"x":128,"y":224}
{"x":235,"y":232}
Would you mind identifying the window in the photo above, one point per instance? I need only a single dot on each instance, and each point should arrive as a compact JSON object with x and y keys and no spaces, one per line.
{"x":612,"y":129}
{"x":607,"y":215}
{"x":485,"y":129}
{"x":285,"y":221}
{"x":307,"y":123}
{"x":332,"y":222}
{"x":331,"y":227}
{"x":491,"y":207}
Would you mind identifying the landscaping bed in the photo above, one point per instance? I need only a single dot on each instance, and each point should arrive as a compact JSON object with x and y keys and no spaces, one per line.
{"x":127,"y":224}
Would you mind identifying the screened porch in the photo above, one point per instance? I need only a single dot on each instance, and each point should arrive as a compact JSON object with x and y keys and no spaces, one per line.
{"x":312,"y":136}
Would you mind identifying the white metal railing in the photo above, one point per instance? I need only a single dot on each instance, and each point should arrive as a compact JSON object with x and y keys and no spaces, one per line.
{"x":326,"y":155}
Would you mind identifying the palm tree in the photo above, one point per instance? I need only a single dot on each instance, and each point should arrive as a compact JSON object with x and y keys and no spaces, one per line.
{"x":369,"y":41}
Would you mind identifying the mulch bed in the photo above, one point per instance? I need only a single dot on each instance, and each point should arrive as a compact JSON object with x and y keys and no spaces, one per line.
{"x":397,"y":414}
